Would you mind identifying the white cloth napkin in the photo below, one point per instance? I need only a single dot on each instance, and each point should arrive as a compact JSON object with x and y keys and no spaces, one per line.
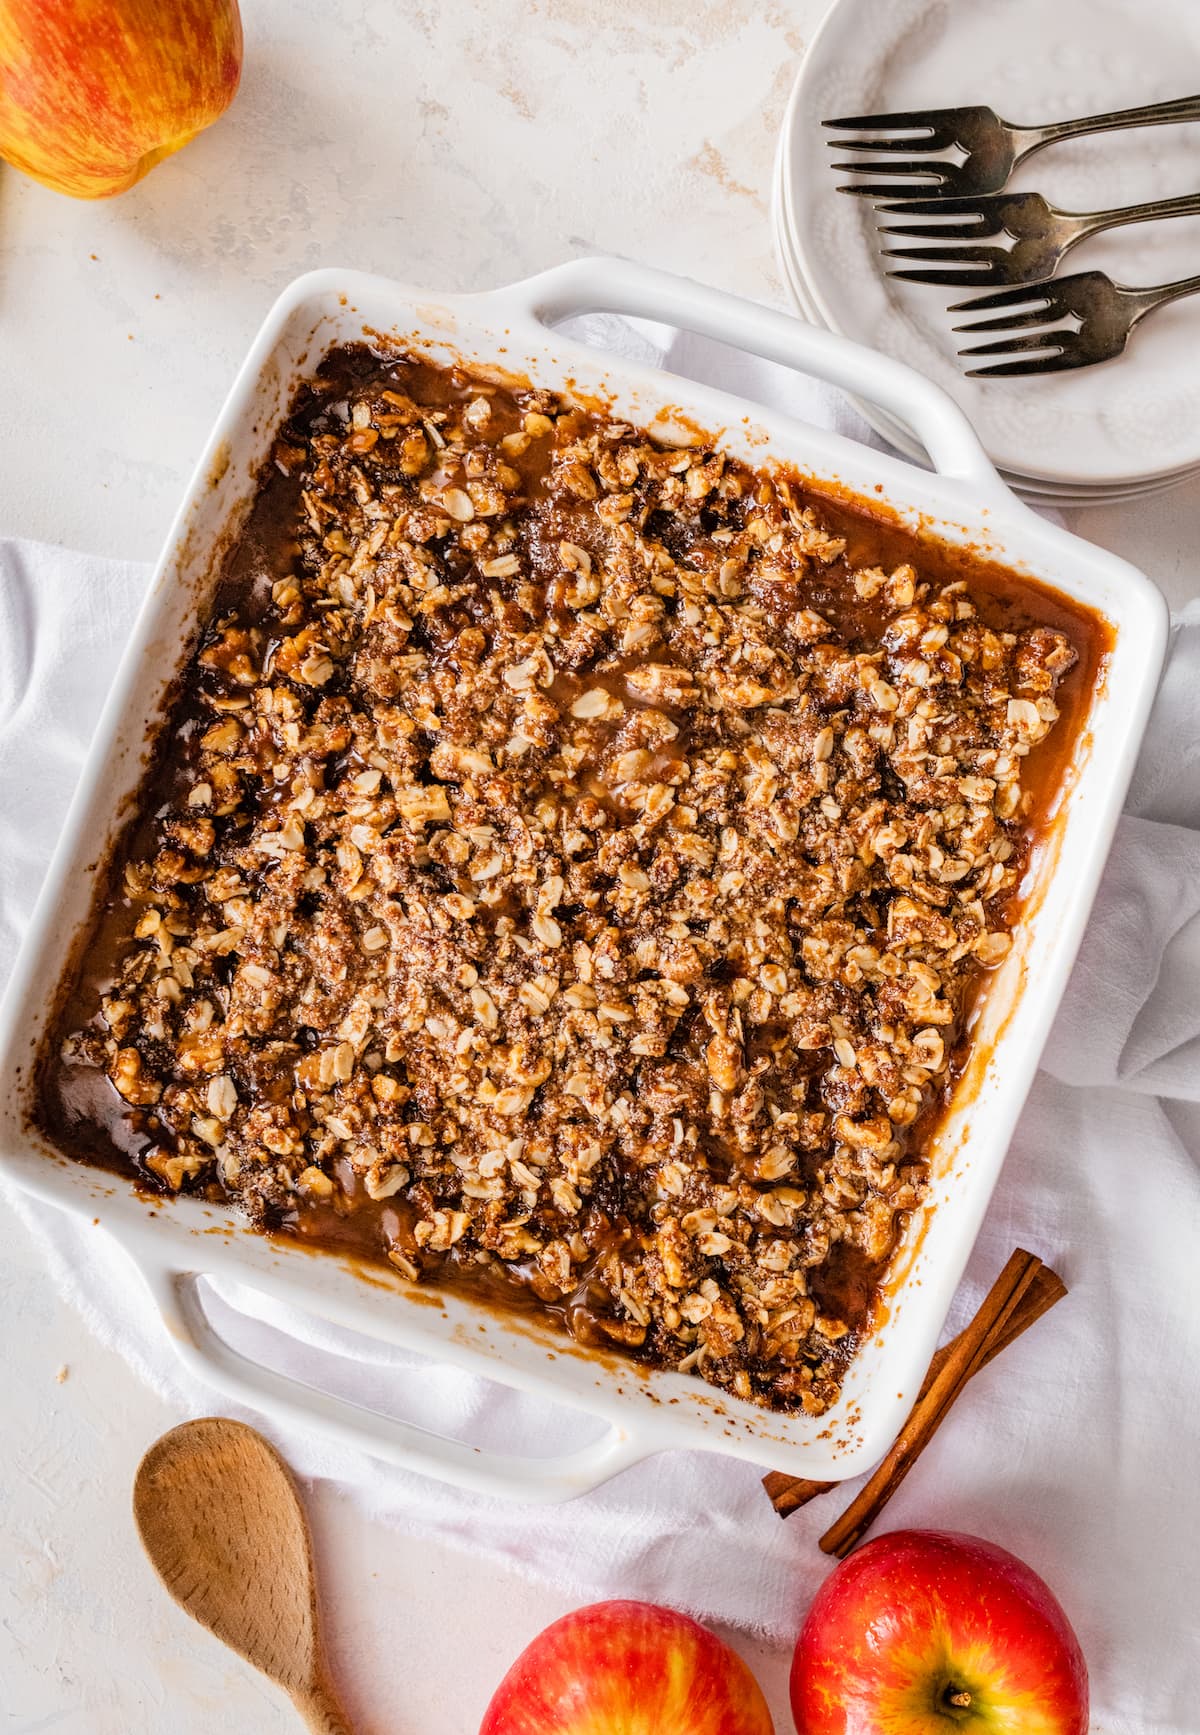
{"x":1078,"y":1450}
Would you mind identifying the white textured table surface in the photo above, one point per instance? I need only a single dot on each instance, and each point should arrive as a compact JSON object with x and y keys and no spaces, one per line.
{"x":461,"y":145}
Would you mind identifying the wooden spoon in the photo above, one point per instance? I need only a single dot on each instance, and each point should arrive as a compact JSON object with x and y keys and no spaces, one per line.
{"x":220,"y":1517}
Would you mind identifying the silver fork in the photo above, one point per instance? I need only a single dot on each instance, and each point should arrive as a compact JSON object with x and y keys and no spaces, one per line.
{"x":1042,"y":235}
{"x":993,"y":147}
{"x":1107,"y":312}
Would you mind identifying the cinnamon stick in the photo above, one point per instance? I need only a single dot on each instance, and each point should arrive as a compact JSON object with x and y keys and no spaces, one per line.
{"x":789,"y":1493}
{"x":966,"y":1357}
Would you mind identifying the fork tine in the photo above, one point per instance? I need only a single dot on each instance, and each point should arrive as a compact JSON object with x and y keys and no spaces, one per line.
{"x":958,"y":206}
{"x":947,"y":255}
{"x":913,"y":117}
{"x":1040,"y":341}
{"x":876,"y":189}
{"x":918,"y":171}
{"x":937,"y":141}
{"x":1007,"y":321}
{"x":1043,"y":293}
{"x":936,"y":231}
{"x":972,"y":277}
{"x":1039,"y":364}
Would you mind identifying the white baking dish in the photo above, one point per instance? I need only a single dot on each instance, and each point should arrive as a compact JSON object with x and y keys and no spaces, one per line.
{"x":646,"y":1411}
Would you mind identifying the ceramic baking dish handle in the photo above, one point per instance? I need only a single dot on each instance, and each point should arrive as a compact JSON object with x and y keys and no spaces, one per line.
{"x":604,"y":285}
{"x":540,"y":1480}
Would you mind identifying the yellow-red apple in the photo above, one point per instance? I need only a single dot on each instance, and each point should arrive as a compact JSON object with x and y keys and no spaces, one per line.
{"x":93,"y":93}
{"x":925,"y":1632}
{"x":627,"y":1668}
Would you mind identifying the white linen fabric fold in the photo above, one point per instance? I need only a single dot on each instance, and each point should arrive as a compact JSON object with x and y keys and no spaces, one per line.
{"x":1078,"y":1449}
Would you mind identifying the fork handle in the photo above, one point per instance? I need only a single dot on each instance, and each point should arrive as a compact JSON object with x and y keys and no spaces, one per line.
{"x":1152,"y":115}
{"x":1144,"y":301}
{"x":1187,"y":205}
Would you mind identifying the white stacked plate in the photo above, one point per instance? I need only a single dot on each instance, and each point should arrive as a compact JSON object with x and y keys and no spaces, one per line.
{"x":1125,"y":428}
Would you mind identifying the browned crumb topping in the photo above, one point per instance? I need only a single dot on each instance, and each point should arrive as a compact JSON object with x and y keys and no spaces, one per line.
{"x":569,"y":869}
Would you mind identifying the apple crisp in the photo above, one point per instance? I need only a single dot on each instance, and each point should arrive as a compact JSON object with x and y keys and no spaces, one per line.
{"x":569,"y":867}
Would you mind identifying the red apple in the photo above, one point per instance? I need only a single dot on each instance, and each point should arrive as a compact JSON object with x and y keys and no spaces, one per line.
{"x":924,"y":1631}
{"x":627,"y":1668}
{"x":93,"y":93}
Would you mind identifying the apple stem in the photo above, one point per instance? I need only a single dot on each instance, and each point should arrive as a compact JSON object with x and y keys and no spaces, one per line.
{"x":959,"y":1698}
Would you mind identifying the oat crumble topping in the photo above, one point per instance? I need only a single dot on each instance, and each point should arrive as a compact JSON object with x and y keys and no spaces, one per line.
{"x":568,"y":868}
